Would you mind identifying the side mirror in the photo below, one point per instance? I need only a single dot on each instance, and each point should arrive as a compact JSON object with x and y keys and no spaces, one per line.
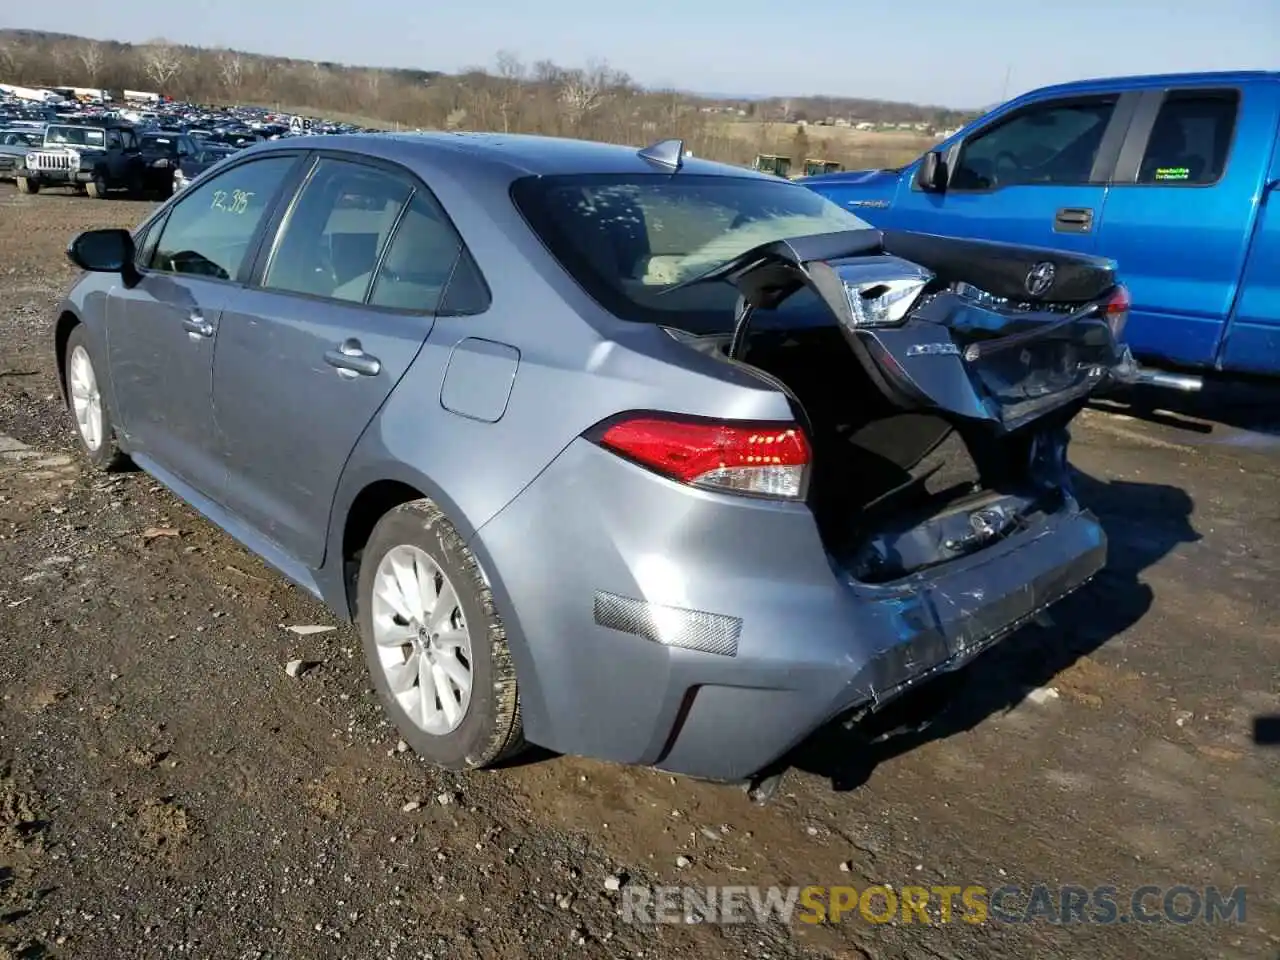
{"x":931,"y":175}
{"x":103,"y":251}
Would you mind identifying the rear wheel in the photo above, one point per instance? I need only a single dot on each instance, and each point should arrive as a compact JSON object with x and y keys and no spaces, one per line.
{"x":434,"y":643}
{"x":88,"y":406}
{"x":27,"y":185}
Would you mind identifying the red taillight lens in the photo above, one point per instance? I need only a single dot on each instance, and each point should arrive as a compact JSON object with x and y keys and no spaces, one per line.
{"x":761,"y":459}
{"x":1116,"y":310}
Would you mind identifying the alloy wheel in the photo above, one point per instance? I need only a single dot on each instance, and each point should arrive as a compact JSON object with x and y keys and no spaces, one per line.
{"x":423,"y":645}
{"x":86,"y":400}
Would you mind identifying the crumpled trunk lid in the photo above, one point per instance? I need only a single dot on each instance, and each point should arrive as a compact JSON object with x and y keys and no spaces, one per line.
{"x":996,"y":333}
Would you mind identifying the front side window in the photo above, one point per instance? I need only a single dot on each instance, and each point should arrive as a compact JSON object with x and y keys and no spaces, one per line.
{"x":209,"y":231}
{"x":1053,"y":143}
{"x":330,"y":243}
{"x":631,"y":241}
{"x":1190,"y":139}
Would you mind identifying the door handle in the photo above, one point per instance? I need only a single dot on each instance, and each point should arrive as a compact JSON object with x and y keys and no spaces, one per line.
{"x":1073,"y":220}
{"x":351,"y":361}
{"x":197,"y":326}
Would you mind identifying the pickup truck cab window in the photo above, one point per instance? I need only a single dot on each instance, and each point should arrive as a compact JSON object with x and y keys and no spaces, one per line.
{"x":1190,"y":139}
{"x":1050,"y":143}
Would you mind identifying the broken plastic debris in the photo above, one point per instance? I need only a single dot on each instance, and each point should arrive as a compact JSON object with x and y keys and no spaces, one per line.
{"x":307,"y":629}
{"x":296,"y":668}
{"x":1042,"y":695}
{"x":151,"y":533}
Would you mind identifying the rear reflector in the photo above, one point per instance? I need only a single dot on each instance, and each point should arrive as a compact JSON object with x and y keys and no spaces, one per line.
{"x":758,"y":459}
{"x":1116,"y":310}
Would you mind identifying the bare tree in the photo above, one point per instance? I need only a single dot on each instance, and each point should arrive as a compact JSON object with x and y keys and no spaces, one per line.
{"x":511,"y":78}
{"x":63,"y":61}
{"x":91,"y":56}
{"x":231,"y":71}
{"x":162,"y":62}
{"x":11,"y":57}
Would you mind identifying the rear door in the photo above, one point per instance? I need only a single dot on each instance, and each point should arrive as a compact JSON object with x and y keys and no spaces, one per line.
{"x":347,"y":294}
{"x":1178,"y":217}
{"x":1034,"y":175}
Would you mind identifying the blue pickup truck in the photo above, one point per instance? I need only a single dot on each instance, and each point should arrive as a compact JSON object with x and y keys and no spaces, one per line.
{"x":1174,"y":177}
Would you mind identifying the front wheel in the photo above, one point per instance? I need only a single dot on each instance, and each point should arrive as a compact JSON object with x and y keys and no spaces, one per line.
{"x":89,"y":407}
{"x":97,"y":187}
{"x":434,"y":643}
{"x":27,"y":185}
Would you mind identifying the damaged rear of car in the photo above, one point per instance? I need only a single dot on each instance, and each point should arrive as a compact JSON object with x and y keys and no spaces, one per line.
{"x":761,"y":578}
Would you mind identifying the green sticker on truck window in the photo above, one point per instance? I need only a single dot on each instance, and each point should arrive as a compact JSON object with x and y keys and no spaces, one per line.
{"x":1173,"y":173}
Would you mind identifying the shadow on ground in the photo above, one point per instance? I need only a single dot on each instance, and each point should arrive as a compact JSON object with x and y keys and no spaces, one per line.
{"x":1252,"y":406}
{"x":1144,"y":522}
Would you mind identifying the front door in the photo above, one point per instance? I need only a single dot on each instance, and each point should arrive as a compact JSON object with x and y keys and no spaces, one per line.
{"x":162,"y":332}
{"x":306,"y":357}
{"x":1035,"y":176}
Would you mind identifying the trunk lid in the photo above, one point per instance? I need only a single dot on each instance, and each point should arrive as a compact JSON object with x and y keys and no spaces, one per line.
{"x":982,"y":332}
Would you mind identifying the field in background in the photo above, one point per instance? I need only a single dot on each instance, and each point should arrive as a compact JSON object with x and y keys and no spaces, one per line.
{"x":740,"y":140}
{"x":856,"y":149}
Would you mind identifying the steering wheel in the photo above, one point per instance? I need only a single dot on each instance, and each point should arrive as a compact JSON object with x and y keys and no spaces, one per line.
{"x":1006,"y":161}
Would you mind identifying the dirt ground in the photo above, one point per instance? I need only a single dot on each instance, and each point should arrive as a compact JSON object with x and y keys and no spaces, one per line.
{"x":166,"y":790}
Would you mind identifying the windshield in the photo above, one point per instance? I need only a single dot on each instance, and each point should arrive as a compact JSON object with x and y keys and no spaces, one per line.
{"x":630,"y":239}
{"x":77,"y":136}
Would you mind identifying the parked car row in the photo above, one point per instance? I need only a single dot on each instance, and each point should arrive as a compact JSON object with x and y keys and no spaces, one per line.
{"x":153,"y":150}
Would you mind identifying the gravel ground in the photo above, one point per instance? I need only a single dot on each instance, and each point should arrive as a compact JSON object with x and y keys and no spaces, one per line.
{"x":167,"y":790}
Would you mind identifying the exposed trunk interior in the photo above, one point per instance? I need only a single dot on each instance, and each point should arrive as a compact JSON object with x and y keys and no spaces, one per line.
{"x":893,"y":490}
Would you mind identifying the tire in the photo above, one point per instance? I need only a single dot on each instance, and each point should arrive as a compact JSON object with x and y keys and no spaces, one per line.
{"x":489,"y":727}
{"x":105,"y":454}
{"x":27,"y":185}
{"x":97,"y":187}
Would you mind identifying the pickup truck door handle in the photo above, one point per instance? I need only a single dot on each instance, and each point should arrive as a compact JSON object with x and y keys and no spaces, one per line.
{"x":1073,"y":220}
{"x":197,"y":327}
{"x":351,"y":361}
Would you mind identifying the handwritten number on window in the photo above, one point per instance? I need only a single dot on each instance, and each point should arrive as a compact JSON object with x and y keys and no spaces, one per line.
{"x":235,"y":201}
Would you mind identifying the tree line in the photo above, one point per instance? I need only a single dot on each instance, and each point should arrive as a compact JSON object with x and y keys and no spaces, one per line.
{"x":596,"y":101}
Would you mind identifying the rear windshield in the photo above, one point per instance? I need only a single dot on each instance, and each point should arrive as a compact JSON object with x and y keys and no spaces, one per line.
{"x":629,"y":239}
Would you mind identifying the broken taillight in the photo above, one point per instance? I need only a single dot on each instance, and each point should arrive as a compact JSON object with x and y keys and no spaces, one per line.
{"x":1116,"y":309}
{"x":757,"y":459}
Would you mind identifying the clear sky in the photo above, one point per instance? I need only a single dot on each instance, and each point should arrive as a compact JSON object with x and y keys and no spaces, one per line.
{"x":948,"y":52}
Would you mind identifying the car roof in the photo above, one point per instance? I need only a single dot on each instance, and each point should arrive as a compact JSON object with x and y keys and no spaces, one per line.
{"x":518,"y":154}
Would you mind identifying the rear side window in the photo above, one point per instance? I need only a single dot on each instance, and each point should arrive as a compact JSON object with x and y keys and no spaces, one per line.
{"x":330,"y":242}
{"x":1047,"y":144}
{"x":426,"y":256}
{"x":209,"y":231}
{"x":1191,"y":138}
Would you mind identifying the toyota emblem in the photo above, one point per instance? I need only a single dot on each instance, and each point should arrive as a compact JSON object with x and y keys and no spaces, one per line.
{"x":1040,"y":278}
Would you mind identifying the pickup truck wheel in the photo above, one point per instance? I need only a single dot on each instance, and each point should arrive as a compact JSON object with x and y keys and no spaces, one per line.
{"x":27,"y":185}
{"x":436,"y":648}
{"x":89,"y":410}
{"x":97,"y":187}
